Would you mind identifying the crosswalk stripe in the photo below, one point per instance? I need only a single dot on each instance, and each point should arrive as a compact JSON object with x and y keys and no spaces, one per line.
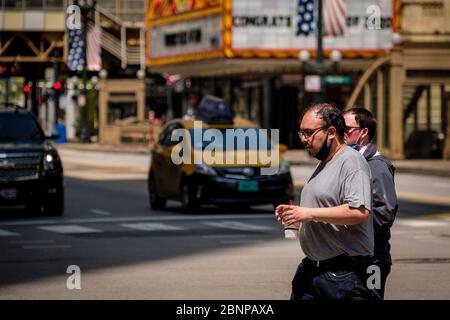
{"x":151,"y":226}
{"x":4,"y":233}
{"x":102,"y":212}
{"x":68,"y":229}
{"x":236,"y":225}
{"x":180,"y":217}
{"x":54,"y":246}
{"x":420,"y":223}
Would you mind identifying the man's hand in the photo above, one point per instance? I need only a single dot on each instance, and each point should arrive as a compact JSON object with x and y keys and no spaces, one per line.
{"x":292,"y":214}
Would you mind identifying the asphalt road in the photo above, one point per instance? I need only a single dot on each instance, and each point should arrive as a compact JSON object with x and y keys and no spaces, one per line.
{"x":126,"y":251}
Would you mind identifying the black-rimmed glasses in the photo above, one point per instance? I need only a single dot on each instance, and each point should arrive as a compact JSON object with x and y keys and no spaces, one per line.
{"x":348,"y":129}
{"x":308,"y":133}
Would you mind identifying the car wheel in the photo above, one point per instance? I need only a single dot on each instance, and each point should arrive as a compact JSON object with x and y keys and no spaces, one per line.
{"x":188,"y":201}
{"x":156,"y":202}
{"x":54,"y":206}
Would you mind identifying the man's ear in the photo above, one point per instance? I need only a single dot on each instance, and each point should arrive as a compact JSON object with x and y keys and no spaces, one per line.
{"x":365,"y":133}
{"x":332,"y":132}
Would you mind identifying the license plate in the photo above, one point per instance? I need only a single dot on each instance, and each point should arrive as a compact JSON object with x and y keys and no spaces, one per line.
{"x":9,"y":193}
{"x":248,"y":186}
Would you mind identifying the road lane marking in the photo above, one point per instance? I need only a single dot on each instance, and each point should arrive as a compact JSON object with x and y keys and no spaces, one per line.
{"x":236,"y":225}
{"x":144,"y":218}
{"x":240,"y":241}
{"x":69,"y":229}
{"x":98,"y":176}
{"x":145,"y":226}
{"x":420,"y":223}
{"x":443,"y":216}
{"x":422,"y":198}
{"x":32,"y":241}
{"x":218,"y":236}
{"x":55,"y":246}
{"x":102,"y":212}
{"x":5,"y":233}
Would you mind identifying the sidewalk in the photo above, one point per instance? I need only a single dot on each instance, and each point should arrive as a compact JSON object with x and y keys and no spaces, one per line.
{"x":296,"y":157}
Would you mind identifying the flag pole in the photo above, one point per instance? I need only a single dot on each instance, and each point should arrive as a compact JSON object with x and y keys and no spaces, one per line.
{"x":319,"y":56}
{"x":84,"y":130}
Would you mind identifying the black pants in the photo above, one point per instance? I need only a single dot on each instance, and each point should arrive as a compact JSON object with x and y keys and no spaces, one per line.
{"x":334,"y":281}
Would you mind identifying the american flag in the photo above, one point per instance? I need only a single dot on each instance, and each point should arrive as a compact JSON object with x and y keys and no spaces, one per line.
{"x":94,"y":49}
{"x":334,"y":12}
{"x":75,"y":59}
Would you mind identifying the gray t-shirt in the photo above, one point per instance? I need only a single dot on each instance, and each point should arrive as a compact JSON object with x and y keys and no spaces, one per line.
{"x":344,"y":179}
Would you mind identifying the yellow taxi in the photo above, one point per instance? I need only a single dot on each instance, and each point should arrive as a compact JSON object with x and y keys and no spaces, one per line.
{"x":217,"y":162}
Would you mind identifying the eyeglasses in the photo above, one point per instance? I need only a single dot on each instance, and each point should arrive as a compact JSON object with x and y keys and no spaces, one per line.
{"x":348,"y":129}
{"x":308,"y":133}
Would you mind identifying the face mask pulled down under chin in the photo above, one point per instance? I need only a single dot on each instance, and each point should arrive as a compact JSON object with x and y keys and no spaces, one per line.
{"x":324,"y":150}
{"x":356,"y":145}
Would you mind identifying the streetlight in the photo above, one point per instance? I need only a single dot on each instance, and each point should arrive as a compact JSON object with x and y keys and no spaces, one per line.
{"x":140,"y":74}
{"x":85,"y":7}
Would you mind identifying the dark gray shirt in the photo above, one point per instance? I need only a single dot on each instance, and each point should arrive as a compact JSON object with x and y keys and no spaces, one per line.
{"x":344,"y":179}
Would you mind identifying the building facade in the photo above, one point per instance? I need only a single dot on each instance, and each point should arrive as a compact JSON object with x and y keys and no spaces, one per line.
{"x":247,"y":52}
{"x":394,"y":62}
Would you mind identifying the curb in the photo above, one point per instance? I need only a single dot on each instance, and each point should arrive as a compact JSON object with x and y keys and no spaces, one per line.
{"x":98,"y":148}
{"x":398,"y":169}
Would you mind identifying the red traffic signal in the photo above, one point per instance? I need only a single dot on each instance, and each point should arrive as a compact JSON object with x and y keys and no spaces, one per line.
{"x":26,"y":88}
{"x":57,"y":85}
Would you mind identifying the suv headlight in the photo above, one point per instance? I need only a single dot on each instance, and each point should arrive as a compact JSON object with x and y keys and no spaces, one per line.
{"x":205,"y":169}
{"x":50,"y":161}
{"x":284,"y":168}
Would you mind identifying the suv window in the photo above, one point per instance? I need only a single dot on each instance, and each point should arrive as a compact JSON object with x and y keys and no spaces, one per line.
{"x":19,"y":127}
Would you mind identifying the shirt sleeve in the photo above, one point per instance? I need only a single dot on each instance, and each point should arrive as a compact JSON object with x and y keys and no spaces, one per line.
{"x":357,"y":190}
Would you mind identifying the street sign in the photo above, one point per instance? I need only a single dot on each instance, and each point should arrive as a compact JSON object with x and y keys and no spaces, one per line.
{"x":338,"y":80}
{"x":312,"y":83}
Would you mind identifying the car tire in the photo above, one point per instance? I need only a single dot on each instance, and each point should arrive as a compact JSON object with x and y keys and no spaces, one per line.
{"x":156,"y":202}
{"x":54,"y":206}
{"x":188,"y":201}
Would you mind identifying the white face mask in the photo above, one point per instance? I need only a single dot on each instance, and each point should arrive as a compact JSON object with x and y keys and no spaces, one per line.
{"x":359,"y":137}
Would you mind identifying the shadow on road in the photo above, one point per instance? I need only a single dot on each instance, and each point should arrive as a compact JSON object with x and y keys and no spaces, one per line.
{"x":120,"y":247}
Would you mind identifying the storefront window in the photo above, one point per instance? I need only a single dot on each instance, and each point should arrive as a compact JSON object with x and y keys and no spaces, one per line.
{"x":54,"y":3}
{"x":18,"y":4}
{"x":11,"y":90}
{"x":34,"y":4}
{"x":121,"y":110}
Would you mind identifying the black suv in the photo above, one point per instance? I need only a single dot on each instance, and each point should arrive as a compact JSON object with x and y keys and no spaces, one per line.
{"x":31,"y":172}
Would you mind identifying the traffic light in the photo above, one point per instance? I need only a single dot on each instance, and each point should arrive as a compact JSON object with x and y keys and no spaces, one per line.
{"x":57,"y":85}
{"x":26,"y":88}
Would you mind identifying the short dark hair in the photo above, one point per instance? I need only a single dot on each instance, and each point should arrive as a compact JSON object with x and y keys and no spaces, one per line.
{"x":365,"y":119}
{"x":330,"y":115}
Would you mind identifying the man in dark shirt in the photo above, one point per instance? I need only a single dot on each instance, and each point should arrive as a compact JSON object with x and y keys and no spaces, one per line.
{"x":360,"y":131}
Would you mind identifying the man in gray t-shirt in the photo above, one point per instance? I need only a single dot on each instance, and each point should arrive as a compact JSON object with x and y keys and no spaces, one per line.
{"x":344,"y":179}
{"x":336,"y":231}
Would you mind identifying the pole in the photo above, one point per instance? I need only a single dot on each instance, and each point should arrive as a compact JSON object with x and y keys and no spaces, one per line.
{"x":319,"y":58}
{"x":84,"y":132}
{"x":56,"y":91}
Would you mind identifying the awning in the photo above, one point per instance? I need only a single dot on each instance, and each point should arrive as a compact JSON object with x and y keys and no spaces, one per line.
{"x":225,"y":67}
